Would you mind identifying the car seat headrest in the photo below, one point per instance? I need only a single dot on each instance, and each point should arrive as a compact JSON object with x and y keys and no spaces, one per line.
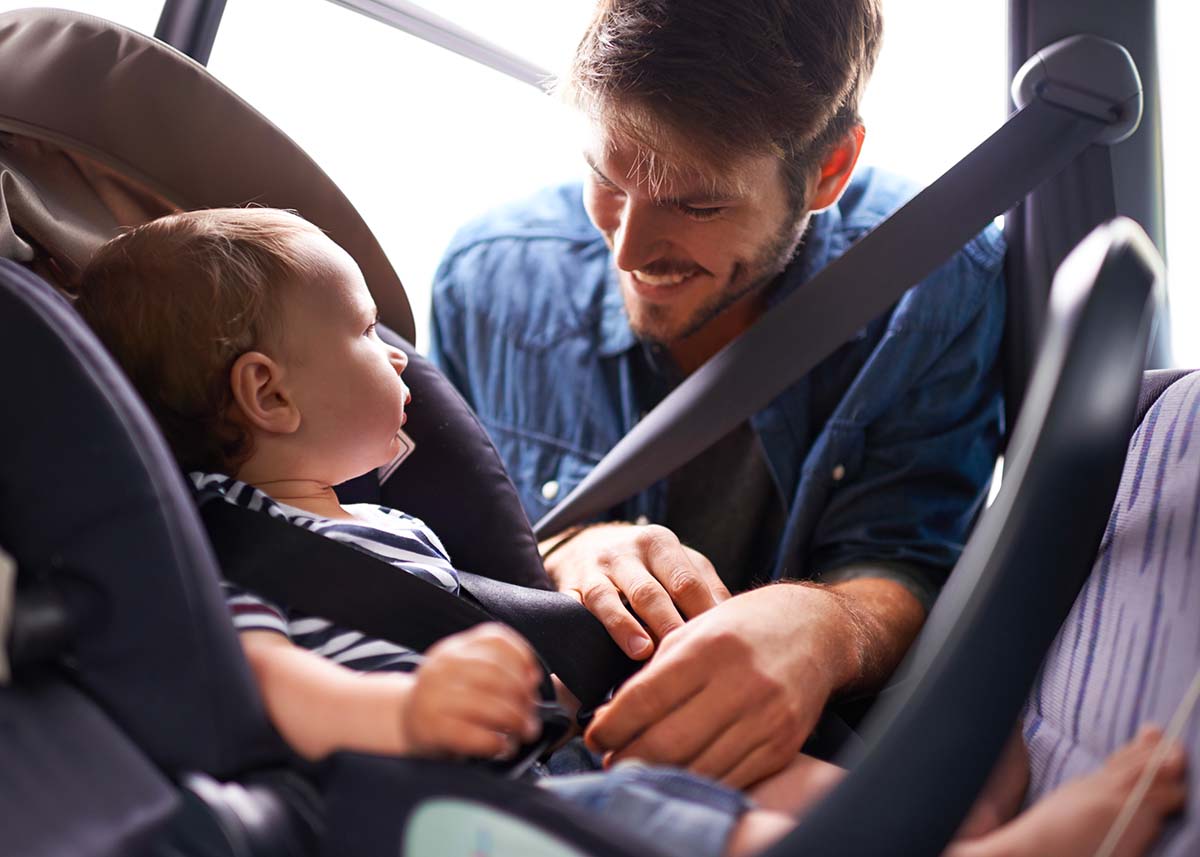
{"x":152,"y":117}
{"x":57,"y":206}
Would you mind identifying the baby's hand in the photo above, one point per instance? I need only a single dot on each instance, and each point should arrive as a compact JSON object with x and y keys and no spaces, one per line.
{"x":474,"y":695}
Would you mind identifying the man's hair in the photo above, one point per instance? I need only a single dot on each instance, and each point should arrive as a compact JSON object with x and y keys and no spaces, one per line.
{"x":178,"y":300}
{"x":718,"y":80}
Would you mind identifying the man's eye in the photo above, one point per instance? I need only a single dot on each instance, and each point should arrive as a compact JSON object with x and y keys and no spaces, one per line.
{"x":604,"y":184}
{"x":701,"y":213}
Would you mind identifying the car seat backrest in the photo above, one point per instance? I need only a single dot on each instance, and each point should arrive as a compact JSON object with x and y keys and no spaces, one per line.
{"x":456,"y":483}
{"x":1129,"y":649}
{"x":91,"y":504}
{"x":131,"y":138}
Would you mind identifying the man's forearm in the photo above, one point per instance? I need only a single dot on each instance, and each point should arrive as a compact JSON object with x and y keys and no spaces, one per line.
{"x":883,"y":618}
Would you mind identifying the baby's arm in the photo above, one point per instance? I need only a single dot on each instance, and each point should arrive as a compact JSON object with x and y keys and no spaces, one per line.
{"x":473,"y":696}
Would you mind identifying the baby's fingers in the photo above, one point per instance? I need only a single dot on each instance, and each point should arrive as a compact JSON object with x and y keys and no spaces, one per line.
{"x":505,"y":649}
{"x":505,"y":714}
{"x":470,"y":739}
{"x":500,"y":712}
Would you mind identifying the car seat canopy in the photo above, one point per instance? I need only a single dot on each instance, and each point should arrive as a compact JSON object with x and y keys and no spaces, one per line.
{"x":147,"y":131}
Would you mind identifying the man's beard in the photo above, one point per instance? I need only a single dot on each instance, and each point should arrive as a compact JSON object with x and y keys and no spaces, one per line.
{"x":654,"y":325}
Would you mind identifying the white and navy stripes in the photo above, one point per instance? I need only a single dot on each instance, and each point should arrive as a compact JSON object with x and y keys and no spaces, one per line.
{"x":386,"y":534}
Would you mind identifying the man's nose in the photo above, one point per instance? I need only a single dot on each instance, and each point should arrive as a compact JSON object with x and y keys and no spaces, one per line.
{"x":640,"y":238}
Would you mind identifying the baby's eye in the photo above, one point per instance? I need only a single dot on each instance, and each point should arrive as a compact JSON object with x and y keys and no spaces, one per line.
{"x":370,"y":331}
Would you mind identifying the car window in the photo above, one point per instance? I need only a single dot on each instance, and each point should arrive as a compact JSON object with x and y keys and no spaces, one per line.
{"x":421,"y":139}
{"x":140,"y":15}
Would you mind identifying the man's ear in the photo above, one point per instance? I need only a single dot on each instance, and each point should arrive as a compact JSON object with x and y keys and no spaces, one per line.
{"x":836,"y":169}
{"x":259,"y":393}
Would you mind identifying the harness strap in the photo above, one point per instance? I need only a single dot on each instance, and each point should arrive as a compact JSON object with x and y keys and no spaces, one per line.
{"x":314,"y":574}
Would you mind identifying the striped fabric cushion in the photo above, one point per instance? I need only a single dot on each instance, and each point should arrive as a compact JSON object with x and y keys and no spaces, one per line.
{"x":1131,"y":645}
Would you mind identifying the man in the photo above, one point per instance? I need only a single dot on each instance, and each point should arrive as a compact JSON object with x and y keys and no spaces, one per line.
{"x":723,"y":140}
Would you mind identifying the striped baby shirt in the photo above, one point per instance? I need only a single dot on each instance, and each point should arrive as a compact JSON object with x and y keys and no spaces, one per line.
{"x":378,"y":531}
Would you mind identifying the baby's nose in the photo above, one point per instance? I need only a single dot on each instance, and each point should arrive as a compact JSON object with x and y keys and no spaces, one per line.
{"x":399,"y":360}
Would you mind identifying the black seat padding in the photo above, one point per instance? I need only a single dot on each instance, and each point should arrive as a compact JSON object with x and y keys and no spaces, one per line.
{"x":70,"y":781}
{"x":91,"y":498}
{"x":453,"y":460}
{"x":92,"y":503}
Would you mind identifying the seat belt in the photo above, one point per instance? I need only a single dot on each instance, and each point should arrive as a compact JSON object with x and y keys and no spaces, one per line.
{"x":1080,"y":91}
{"x":314,"y":574}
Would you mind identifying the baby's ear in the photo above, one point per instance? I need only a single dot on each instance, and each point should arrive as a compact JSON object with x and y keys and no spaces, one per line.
{"x":260,"y":395}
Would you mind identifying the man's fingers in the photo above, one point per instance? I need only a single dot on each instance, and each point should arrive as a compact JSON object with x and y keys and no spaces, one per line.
{"x":646,"y":595}
{"x":688,"y":577}
{"x":758,"y":764}
{"x":689,"y":730}
{"x":707,"y":571}
{"x":662,"y":686}
{"x":730,"y":747}
{"x":603,"y":601}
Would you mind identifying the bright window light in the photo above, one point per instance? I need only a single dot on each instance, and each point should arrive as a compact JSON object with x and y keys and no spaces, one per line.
{"x":418,"y":138}
{"x":140,"y":15}
{"x":421,"y":139}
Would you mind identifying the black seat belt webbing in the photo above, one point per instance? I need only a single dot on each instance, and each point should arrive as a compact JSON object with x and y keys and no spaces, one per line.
{"x":316,"y":575}
{"x":785,"y":344}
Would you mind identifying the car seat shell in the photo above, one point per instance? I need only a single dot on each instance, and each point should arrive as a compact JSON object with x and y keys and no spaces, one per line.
{"x":149,"y":113}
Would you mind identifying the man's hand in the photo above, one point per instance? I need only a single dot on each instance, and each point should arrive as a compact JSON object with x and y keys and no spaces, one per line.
{"x":619,"y":570}
{"x":474,"y":695}
{"x":735,"y":693}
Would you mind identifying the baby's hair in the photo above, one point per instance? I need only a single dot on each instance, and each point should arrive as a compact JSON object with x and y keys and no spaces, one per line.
{"x":179,"y":299}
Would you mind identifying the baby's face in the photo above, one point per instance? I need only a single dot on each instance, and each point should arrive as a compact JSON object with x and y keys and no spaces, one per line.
{"x":343,"y":378}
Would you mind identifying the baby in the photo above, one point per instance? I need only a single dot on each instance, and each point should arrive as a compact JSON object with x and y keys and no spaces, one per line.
{"x":252,"y":337}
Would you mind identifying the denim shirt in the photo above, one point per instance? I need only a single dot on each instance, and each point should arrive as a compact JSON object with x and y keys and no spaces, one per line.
{"x":883,"y":452}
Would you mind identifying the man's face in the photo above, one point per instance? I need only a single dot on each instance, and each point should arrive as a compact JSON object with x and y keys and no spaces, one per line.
{"x":694,"y":252}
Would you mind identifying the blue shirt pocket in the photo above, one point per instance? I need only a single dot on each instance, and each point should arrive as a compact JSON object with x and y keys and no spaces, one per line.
{"x":544,"y":470}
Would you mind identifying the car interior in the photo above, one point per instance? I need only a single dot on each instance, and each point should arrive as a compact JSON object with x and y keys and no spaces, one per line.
{"x":131,"y":723}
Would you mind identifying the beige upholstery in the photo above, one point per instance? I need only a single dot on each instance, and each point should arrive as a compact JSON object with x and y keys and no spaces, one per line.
{"x":102,"y":127}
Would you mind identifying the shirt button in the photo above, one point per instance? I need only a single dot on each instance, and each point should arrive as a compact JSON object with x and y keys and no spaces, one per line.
{"x":642,"y":520}
{"x":839,"y":473}
{"x":550,"y":490}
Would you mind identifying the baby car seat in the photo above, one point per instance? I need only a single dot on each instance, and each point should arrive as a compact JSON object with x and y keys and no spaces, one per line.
{"x":118,"y":610}
{"x":140,"y":628}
